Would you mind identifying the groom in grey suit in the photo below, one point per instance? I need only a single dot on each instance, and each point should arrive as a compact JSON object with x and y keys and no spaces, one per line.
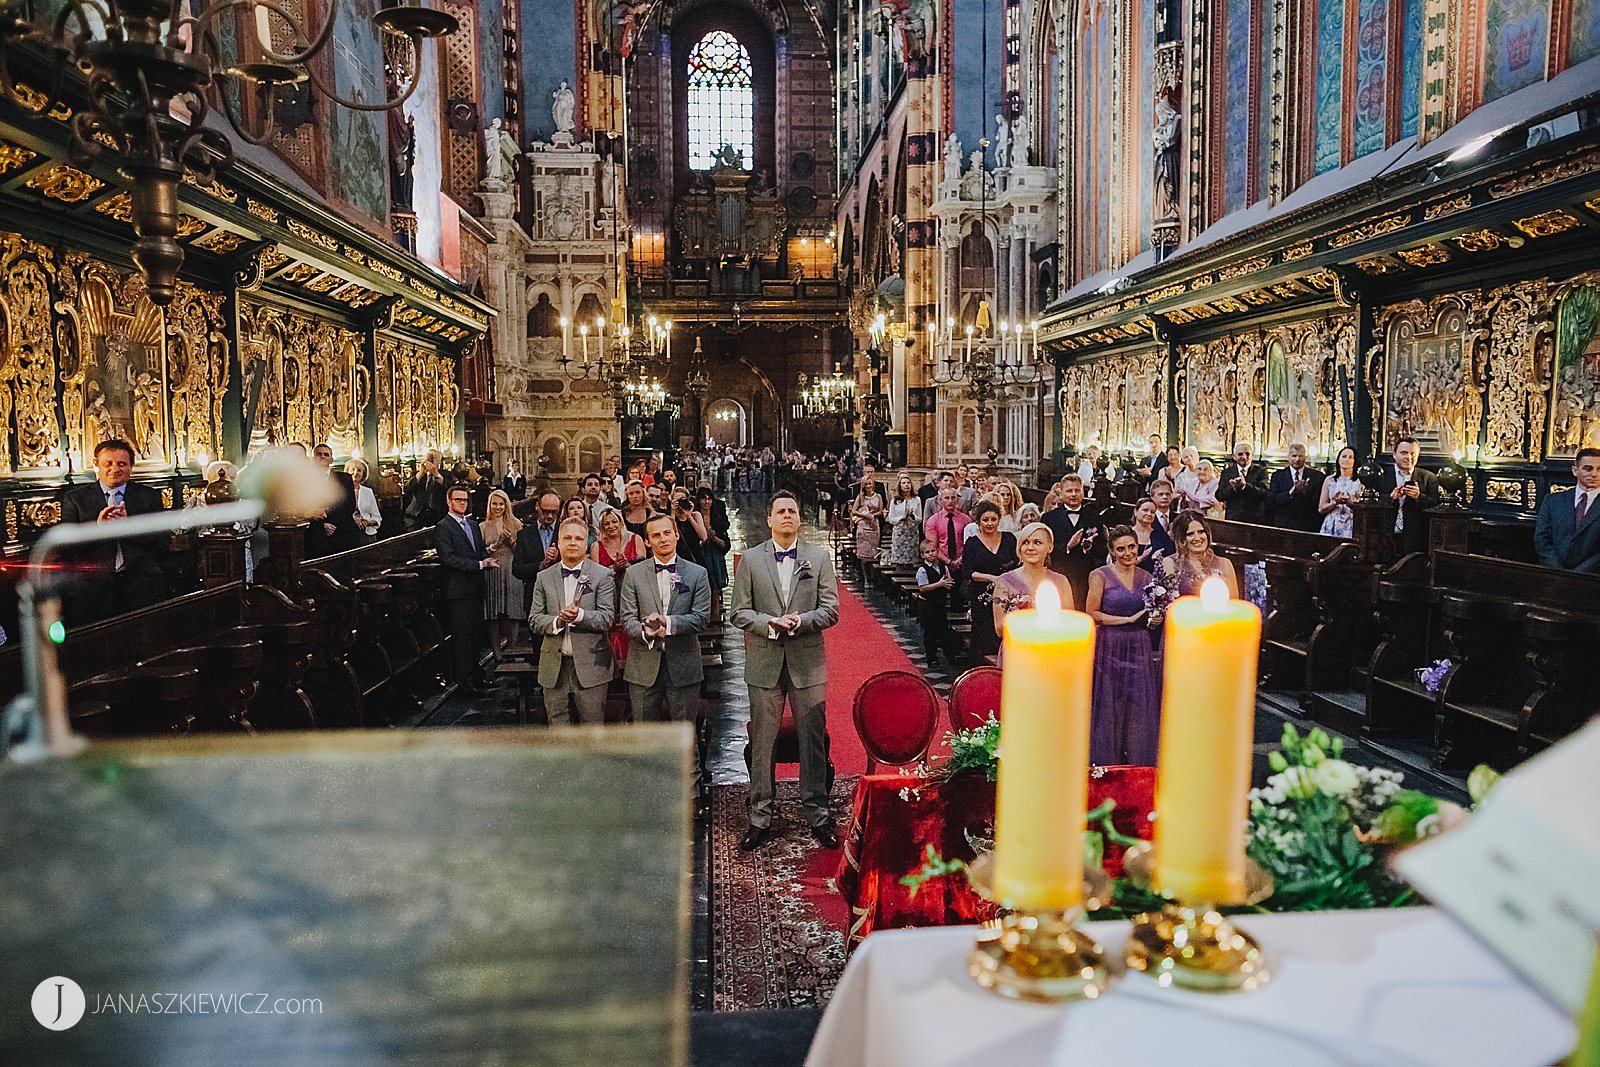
{"x":784,"y":595}
{"x":666,"y":605}
{"x":572,"y":608}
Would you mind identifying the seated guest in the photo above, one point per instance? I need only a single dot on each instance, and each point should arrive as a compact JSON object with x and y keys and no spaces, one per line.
{"x":1125,"y":708}
{"x":465,"y":557}
{"x":572,"y":606}
{"x":125,"y":575}
{"x":1409,"y":491}
{"x":1244,"y":488}
{"x":1337,"y":493}
{"x":1154,"y":542}
{"x":1565,"y":533}
{"x":1294,"y":493}
{"x":1017,"y":588}
{"x":988,"y":553}
{"x":1074,"y":527}
{"x":1194,"y":560}
{"x":934,"y":581}
{"x":1202,"y":496}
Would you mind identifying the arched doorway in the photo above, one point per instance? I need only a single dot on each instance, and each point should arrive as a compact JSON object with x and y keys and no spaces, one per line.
{"x":726,"y":423}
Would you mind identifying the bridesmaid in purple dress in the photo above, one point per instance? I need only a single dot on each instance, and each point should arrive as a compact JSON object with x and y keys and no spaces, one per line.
{"x":1125,"y":714}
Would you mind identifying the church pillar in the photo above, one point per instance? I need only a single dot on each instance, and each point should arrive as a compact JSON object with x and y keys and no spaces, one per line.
{"x":1018,"y":304}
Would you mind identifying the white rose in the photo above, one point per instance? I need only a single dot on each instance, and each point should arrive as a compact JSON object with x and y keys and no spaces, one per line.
{"x":1335,"y":778}
{"x":1296,"y":783}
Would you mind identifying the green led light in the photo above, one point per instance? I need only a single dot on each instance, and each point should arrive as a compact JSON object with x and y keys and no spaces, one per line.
{"x":58,"y":632}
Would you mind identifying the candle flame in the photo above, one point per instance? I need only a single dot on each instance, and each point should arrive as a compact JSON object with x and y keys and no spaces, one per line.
{"x":1049,"y":605}
{"x":1214,"y":594}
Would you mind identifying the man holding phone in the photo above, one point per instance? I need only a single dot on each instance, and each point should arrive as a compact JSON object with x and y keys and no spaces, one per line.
{"x":126,"y":574}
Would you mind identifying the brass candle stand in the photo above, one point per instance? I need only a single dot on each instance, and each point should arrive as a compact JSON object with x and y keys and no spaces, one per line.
{"x":1040,"y":954}
{"x":1190,"y":944}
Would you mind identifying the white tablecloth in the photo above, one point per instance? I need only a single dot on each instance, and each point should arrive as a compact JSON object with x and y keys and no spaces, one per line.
{"x":1355,"y":989}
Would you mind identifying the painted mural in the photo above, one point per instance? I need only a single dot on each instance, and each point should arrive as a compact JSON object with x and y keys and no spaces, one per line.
{"x":1411,"y":87}
{"x":1516,"y":36}
{"x":358,"y":161}
{"x":1237,"y":48}
{"x":1372,"y":48}
{"x":1575,"y":412}
{"x":1329,"y":85}
{"x":1585,"y":41}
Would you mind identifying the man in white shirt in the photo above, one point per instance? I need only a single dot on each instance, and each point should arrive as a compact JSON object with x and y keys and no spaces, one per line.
{"x":1565,"y":532}
{"x":572,"y":606}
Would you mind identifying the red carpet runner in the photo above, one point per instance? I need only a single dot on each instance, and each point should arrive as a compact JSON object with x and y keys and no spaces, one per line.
{"x":858,"y":647}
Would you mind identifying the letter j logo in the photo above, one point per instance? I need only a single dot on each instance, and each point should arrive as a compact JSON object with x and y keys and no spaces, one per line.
{"x":58,"y":1003}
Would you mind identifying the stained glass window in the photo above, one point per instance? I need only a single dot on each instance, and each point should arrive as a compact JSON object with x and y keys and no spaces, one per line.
{"x":721,"y":101}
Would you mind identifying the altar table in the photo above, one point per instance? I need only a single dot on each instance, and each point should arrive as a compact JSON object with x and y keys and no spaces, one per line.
{"x":895,"y":817}
{"x":1402,"y":987}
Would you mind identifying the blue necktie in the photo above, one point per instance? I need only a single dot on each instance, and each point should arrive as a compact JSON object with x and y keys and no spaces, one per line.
{"x":780,"y":556}
{"x":573,"y":573}
{"x":466,"y":528}
{"x":673,"y":567}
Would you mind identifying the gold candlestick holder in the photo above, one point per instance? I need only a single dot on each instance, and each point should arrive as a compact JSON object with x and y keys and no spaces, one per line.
{"x":1191,"y":944}
{"x":1040,"y":955}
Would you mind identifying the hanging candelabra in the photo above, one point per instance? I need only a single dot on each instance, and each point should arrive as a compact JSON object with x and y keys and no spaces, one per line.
{"x":151,"y":67}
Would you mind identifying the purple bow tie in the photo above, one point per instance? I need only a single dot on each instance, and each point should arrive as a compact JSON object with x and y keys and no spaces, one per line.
{"x":574,"y":572}
{"x":781,"y":555}
{"x":671,"y":567}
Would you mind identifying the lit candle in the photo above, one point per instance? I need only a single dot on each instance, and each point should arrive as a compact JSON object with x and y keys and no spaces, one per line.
{"x":933,"y":340}
{"x":668,"y":330}
{"x":600,"y":324}
{"x":566,"y":338}
{"x":969,"y":344}
{"x":1035,"y":353}
{"x":584,"y":332}
{"x":1044,"y":756}
{"x":1208,"y":709}
{"x":263,"y":29}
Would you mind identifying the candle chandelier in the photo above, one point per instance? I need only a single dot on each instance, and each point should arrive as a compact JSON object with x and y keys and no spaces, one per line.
{"x":833,"y":395}
{"x":620,"y":359}
{"x":153,"y":68}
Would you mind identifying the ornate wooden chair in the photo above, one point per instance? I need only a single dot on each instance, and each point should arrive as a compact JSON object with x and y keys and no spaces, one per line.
{"x":974,"y":697}
{"x":896,"y":714}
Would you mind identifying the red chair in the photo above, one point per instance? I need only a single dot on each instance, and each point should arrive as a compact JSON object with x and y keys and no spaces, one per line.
{"x":896,"y":713}
{"x":974,"y":697}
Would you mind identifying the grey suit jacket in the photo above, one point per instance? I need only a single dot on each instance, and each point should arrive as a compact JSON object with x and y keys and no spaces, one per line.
{"x":813,"y":595}
{"x":591,"y":649}
{"x":1560,"y":541}
{"x":688,"y":608}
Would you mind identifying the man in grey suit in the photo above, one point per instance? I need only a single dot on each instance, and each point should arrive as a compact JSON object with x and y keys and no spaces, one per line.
{"x":666,"y":605}
{"x":572,"y":606}
{"x":784,"y":595}
{"x":1565,"y":532}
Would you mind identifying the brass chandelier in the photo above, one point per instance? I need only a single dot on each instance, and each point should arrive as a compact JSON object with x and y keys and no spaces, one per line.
{"x":150,"y":67}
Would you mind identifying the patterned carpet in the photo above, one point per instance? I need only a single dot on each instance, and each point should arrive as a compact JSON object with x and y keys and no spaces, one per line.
{"x":779,"y":938}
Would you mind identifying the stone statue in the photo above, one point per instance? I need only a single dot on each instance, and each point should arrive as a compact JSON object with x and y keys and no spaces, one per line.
{"x":1164,"y":141}
{"x":1022,"y":142}
{"x":1002,"y":141}
{"x":976,"y":181}
{"x":562,"y":109}
{"x":952,"y":160}
{"x":728,"y":156}
{"x":499,"y":155}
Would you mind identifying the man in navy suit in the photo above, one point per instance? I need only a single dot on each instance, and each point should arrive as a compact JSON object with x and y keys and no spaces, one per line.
{"x":465,"y":558}
{"x":335,"y":530}
{"x":1410,"y":491}
{"x":128,"y":572}
{"x":1296,"y":491}
{"x":1565,"y":533}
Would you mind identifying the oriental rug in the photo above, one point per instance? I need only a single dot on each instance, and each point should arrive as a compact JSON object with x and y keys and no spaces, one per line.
{"x":778,"y":926}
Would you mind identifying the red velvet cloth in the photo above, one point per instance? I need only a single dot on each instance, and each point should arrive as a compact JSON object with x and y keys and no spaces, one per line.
{"x":888,"y":835}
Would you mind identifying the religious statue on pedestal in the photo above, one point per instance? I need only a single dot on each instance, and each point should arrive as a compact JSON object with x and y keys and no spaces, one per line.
{"x":1164,"y":140}
{"x":1002,"y":142}
{"x":563,"y":109}
{"x":952,"y":160}
{"x":499,"y":155}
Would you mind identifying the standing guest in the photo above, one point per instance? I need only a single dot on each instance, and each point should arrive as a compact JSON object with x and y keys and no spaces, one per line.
{"x":1203,"y":496}
{"x":929,"y":493}
{"x":1125,"y":709}
{"x":1185,"y":475}
{"x":1074,"y":528}
{"x":656,"y":495}
{"x":1337,"y":493}
{"x":617,"y":548}
{"x":1195,"y":561}
{"x":714,"y":551}
{"x":869,"y":474}
{"x":866,"y":510}
{"x":843,"y":487}
{"x":666,"y":606}
{"x":1161,"y":495}
{"x":989,"y":552}
{"x":669,"y":482}
{"x":424,"y":494}
{"x":593,"y":499}
{"x":572,"y":609}
{"x":514,"y":485}
{"x":503,"y":595}
{"x":1017,"y":588}
{"x":1089,"y":468}
{"x":576,"y":508}
{"x":905,"y":523}
{"x":1295,"y":491}
{"x":335,"y":530}
{"x":1154,"y":541}
{"x":966,"y":492}
{"x":126,"y":573}
{"x":934,"y":582}
{"x":784,"y":595}
{"x":1029,"y":513}
{"x":536,"y":546}
{"x":947,"y":527}
{"x":692,"y":531}
{"x":1410,"y":491}
{"x":611,"y":479}
{"x":1244,"y":488}
{"x":465,"y":557}
{"x":368,"y":517}
{"x":635,"y":507}
{"x":652,"y":471}
{"x":1154,"y":460}
{"x":1008,"y":498}
{"x":1564,"y":532}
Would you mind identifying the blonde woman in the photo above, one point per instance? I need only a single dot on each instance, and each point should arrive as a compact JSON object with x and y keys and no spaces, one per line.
{"x":905,"y":522}
{"x":1187,"y":475}
{"x":502,"y":590}
{"x":1008,"y":498}
{"x":619,"y":548}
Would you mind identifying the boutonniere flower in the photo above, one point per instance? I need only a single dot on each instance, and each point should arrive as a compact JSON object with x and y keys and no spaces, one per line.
{"x":673,"y":580}
{"x":584,"y":585}
{"x":803,"y":571}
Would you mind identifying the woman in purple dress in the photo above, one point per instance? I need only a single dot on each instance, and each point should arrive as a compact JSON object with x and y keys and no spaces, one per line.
{"x":1125,"y":713}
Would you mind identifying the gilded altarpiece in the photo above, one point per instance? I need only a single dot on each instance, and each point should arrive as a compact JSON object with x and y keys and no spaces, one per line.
{"x":1575,"y":406}
{"x":417,"y":398}
{"x":1429,"y":385}
{"x":198,"y":358}
{"x":303,"y":379}
{"x":1114,"y":402}
{"x":1520,"y":344}
{"x":1310,"y":383}
{"x":1224,"y":385}
{"x":28,"y":356}
{"x":113,"y":361}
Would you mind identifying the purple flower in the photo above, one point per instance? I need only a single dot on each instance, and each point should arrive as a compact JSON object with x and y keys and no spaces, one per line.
{"x":1433,"y":677}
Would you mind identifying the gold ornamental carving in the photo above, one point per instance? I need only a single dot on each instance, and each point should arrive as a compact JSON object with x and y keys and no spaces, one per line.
{"x":29,"y":355}
{"x":1547,"y":224}
{"x":1546,"y":175}
{"x":66,"y":184}
{"x":316,"y":237}
{"x":35,"y":101}
{"x":1504,"y":491}
{"x":13,"y":156}
{"x":1520,"y":345}
{"x":417,"y":398}
{"x":1114,"y":401}
{"x":266,"y":212}
{"x":1249,"y":266}
{"x":222,"y":242}
{"x":1442,"y":209}
{"x":1378,"y":265}
{"x":1224,"y":397}
{"x":1425,"y":255}
{"x":1369,"y":230}
{"x":13,"y":527}
{"x":1299,"y":251}
{"x":1479,"y":241}
{"x":1431,"y":388}
{"x":199,"y":362}
{"x":211,"y":187}
{"x":40,"y":513}
{"x":272,"y":258}
{"x":312,"y":385}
